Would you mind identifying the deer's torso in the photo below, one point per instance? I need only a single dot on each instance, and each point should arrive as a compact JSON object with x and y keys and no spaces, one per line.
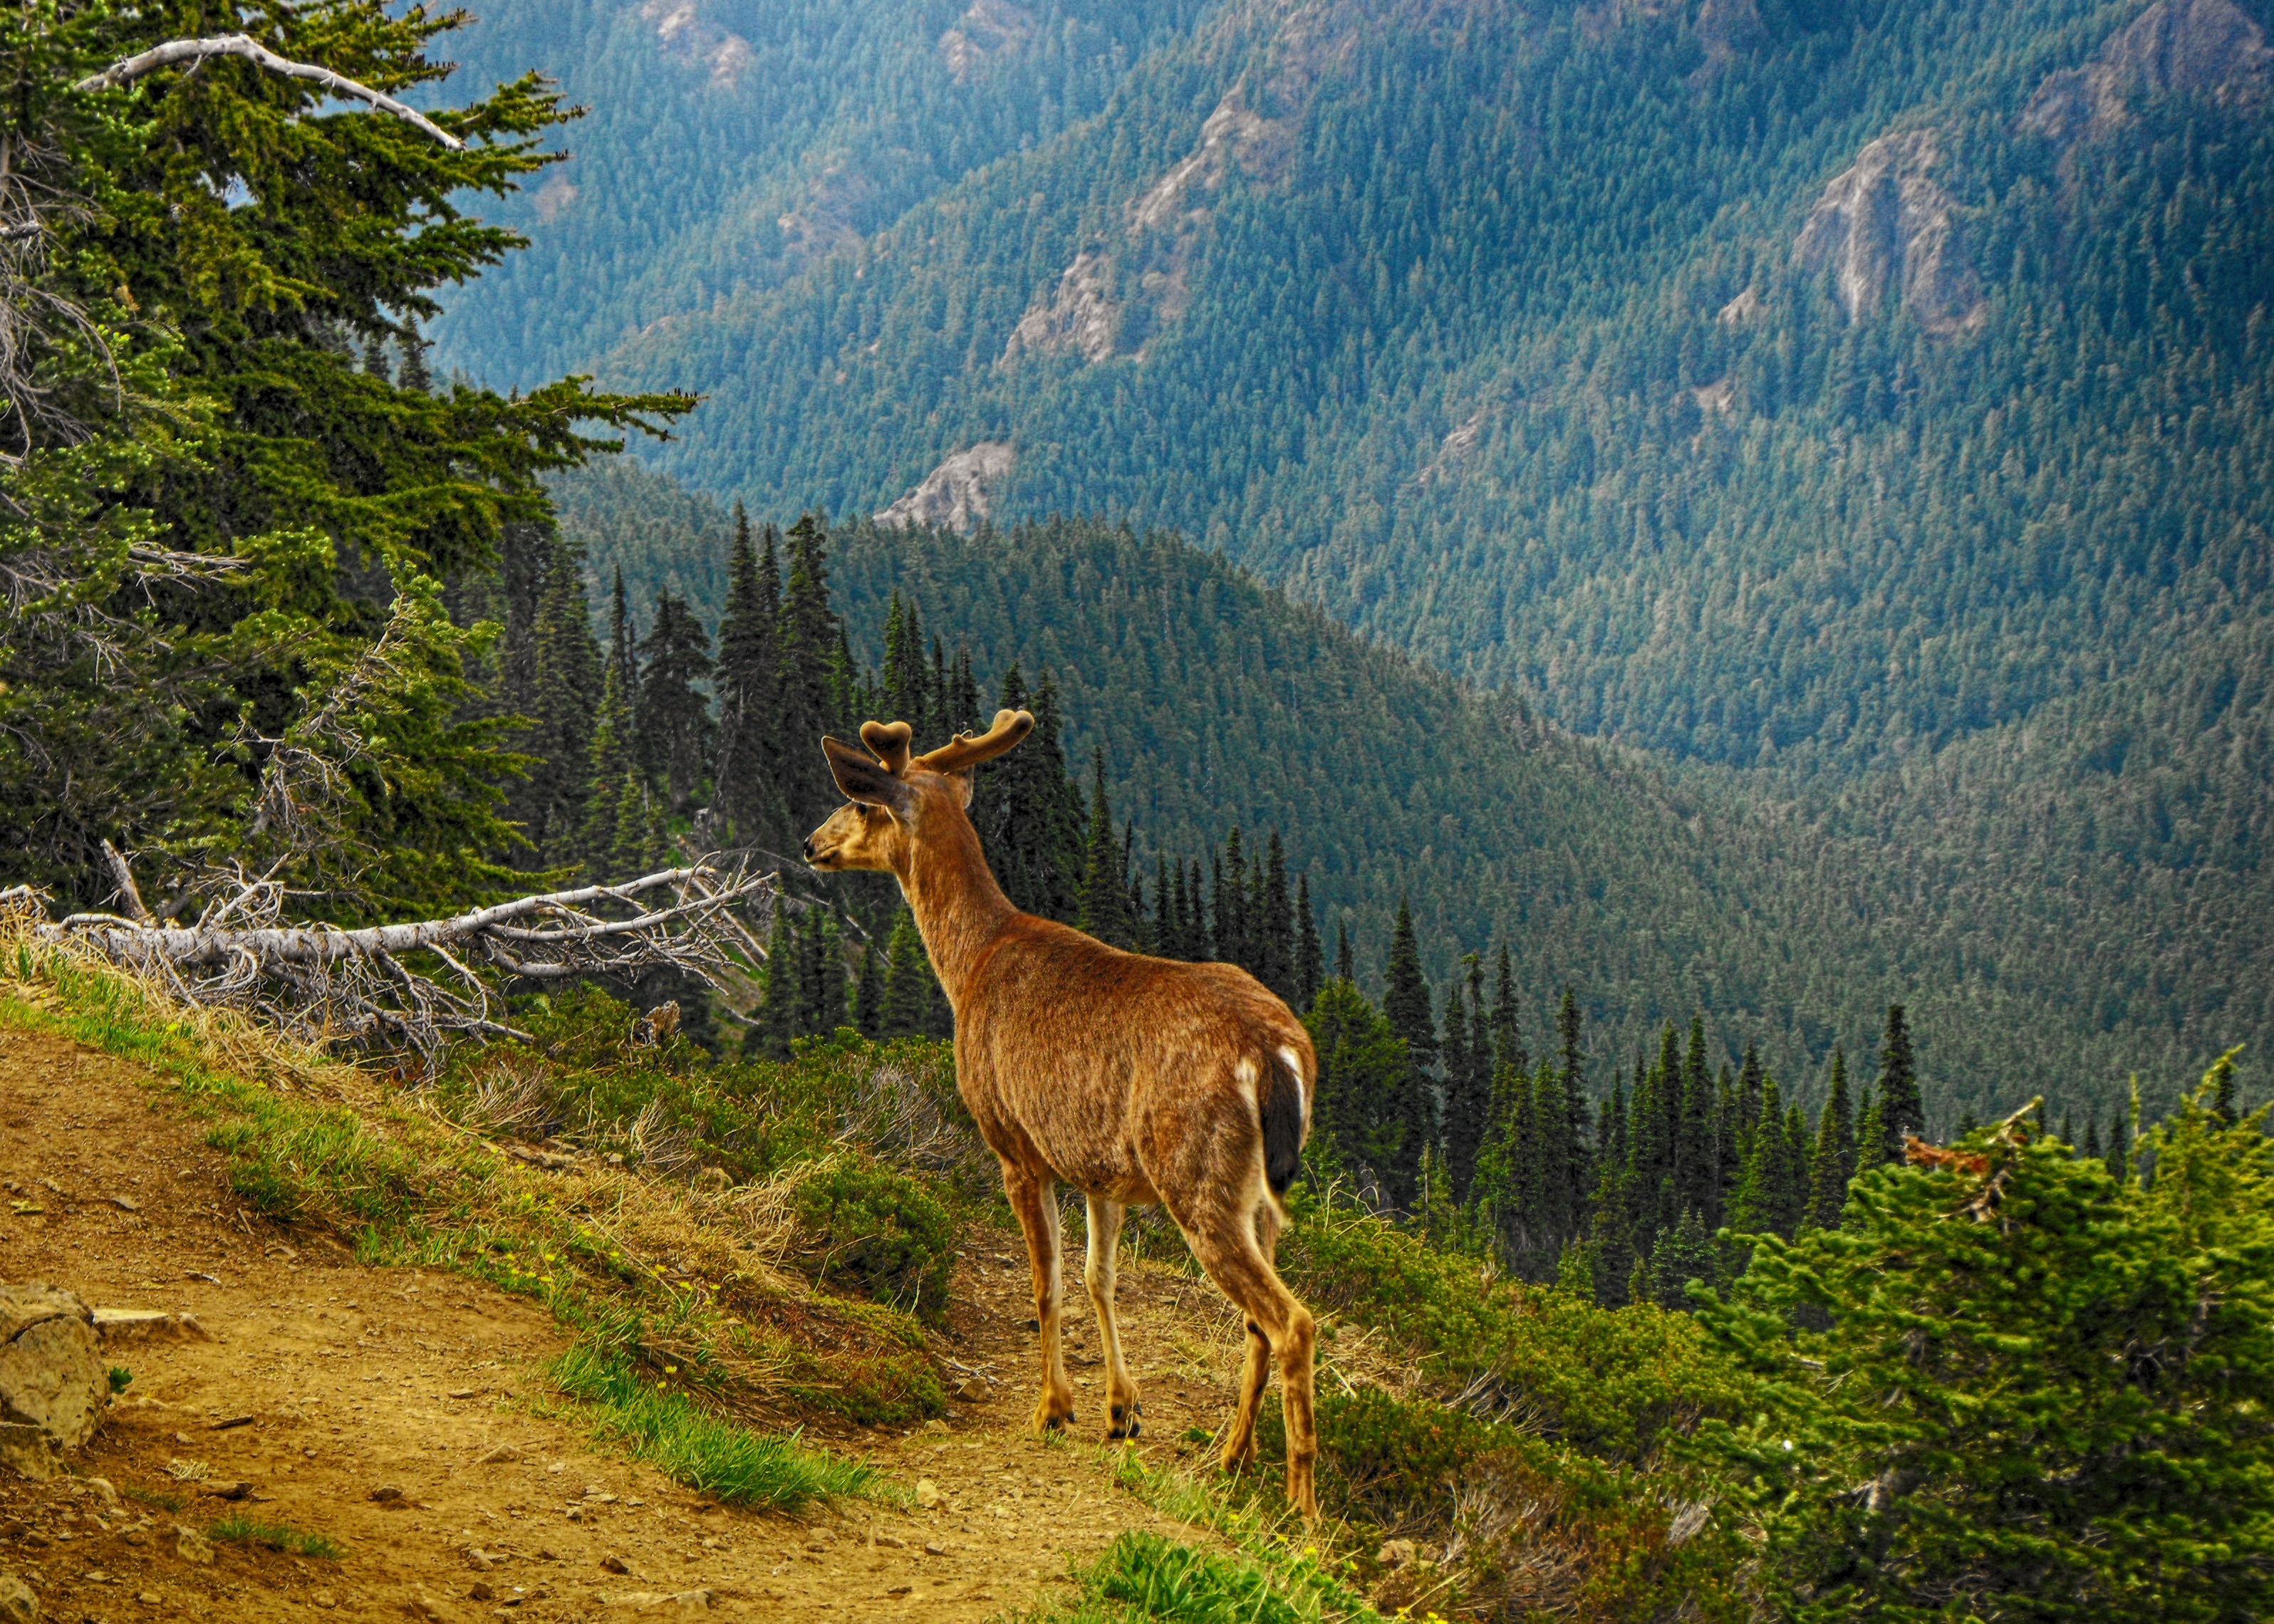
{"x":1109,"y":1069}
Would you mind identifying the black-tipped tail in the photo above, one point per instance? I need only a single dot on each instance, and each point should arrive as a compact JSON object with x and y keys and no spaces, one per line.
{"x":1283,"y":1123}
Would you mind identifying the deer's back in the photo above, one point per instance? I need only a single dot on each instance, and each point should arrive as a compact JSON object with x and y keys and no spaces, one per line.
{"x":1087,"y":1053}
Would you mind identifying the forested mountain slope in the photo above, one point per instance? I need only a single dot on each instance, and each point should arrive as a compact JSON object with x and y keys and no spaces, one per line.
{"x":1218,"y":702}
{"x":1860,"y":406}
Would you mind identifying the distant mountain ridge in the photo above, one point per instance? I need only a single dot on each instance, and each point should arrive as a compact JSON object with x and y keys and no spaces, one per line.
{"x":1860,"y":406}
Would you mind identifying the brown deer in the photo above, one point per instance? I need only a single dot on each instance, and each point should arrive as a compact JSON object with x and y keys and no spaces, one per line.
{"x":1131,"y":1078}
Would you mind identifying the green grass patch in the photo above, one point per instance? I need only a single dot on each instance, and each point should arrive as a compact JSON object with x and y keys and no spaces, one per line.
{"x":160,"y":1498}
{"x":1143,"y":1577}
{"x":655,"y":1423}
{"x":242,"y":1529}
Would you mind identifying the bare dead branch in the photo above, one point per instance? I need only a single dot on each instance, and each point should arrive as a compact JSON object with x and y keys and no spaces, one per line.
{"x":245,"y":46}
{"x":324,"y":983}
{"x":129,"y":892}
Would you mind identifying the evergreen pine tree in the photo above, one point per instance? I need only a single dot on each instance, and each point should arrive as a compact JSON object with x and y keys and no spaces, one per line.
{"x":1697,"y":1163}
{"x":1359,"y":1111}
{"x":906,"y":684}
{"x":1273,"y":914}
{"x":1030,"y":818}
{"x":1872,"y":1134}
{"x":2119,"y":1145}
{"x":812,"y":697}
{"x":1405,"y":1005}
{"x":868,"y":1001}
{"x":1345,"y":968}
{"x":609,"y":766}
{"x":620,"y":658}
{"x":1902,"y":1111}
{"x":1310,"y":955}
{"x":1507,"y":1036}
{"x":565,"y":693}
{"x":911,"y":991}
{"x":1468,"y":1078}
{"x":1235,"y":942}
{"x":778,"y":1008}
{"x":750,"y":742}
{"x":672,"y":722}
{"x":1682,"y":1252}
{"x":1104,"y":896}
{"x":1831,"y":1163}
{"x":2092,"y":1141}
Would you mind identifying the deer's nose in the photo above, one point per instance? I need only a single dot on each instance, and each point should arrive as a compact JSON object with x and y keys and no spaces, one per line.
{"x":808,"y":848}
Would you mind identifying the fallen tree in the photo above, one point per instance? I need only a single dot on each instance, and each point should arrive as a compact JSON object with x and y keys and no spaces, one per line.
{"x":412,"y":986}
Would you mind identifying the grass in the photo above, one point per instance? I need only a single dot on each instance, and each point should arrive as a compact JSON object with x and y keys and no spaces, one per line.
{"x":277,"y":1537}
{"x":1143,"y":1577}
{"x":644,"y":1281}
{"x":159,"y":1498}
{"x":656,"y":1423}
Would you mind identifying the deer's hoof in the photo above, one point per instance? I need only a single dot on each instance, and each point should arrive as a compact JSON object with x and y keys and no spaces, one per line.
{"x":1125,"y":1423}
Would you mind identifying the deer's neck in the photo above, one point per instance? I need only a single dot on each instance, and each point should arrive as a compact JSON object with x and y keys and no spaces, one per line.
{"x":959,"y":907}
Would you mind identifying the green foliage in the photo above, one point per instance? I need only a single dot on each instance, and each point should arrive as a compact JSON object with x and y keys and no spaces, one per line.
{"x":667,"y":1430}
{"x":1143,"y":1577}
{"x":230,"y":532}
{"x":244,"y":1528}
{"x":2010,"y":1385}
{"x":121,"y":1379}
{"x":878,"y":1230}
{"x":1613,"y":1383}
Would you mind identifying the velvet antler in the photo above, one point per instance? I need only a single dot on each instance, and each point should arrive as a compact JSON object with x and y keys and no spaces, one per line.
{"x":888,"y":741}
{"x":967,"y":750}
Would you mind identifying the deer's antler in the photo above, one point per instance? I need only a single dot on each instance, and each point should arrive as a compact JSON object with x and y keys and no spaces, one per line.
{"x":888,"y":741}
{"x":967,"y":750}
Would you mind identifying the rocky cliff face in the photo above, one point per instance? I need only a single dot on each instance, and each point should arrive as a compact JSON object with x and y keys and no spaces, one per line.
{"x":2206,"y":48}
{"x":954,"y":494}
{"x":1883,"y":226}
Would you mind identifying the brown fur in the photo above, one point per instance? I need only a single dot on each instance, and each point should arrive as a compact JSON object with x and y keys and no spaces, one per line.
{"x":1131,"y":1078}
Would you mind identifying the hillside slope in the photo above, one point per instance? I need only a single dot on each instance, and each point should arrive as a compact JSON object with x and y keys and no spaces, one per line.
{"x":1218,"y":702}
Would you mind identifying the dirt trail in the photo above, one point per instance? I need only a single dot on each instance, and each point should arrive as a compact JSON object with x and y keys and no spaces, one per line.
{"x":325,"y":1384}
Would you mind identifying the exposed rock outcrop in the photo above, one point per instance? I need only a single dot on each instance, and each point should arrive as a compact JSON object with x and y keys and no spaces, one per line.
{"x":954,"y":494}
{"x":1081,"y":317}
{"x":1883,"y":226}
{"x":54,"y":1384}
{"x":990,"y":28}
{"x":2208,"y":48}
{"x":689,"y":36}
{"x":1745,"y":307}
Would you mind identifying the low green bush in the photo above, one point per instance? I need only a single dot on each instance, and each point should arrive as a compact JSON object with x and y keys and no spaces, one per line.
{"x":879,"y":1230}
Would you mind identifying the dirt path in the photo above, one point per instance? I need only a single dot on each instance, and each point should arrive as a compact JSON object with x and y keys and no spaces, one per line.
{"x":368,"y":1405}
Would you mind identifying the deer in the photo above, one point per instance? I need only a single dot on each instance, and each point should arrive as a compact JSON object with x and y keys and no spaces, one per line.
{"x":1136,"y":1080}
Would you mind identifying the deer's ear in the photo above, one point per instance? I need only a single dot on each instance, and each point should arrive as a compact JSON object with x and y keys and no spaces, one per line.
{"x":862,"y":777}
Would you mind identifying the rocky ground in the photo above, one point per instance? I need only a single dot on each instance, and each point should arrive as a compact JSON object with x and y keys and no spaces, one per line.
{"x":399,"y":1414}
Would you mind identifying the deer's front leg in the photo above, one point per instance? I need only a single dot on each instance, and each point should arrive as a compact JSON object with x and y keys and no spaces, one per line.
{"x":1034,"y":1198}
{"x":1121,"y":1407}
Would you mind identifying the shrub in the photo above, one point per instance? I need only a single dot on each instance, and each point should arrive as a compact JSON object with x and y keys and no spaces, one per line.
{"x":2012,"y":1386}
{"x":880,"y":1230}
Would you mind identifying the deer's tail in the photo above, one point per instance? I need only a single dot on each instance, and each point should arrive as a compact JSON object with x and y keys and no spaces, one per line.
{"x":1286,"y":1119}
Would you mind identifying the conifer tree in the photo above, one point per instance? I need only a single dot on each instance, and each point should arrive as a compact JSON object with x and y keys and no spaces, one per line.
{"x":620,"y":658}
{"x":672,"y":722}
{"x":1872,"y":1134}
{"x":1468,"y":1078}
{"x":869,"y":1000}
{"x":1832,"y":1163}
{"x":1200,"y":939}
{"x":1406,"y":1005}
{"x":905,"y":683}
{"x":812,"y":697}
{"x":1359,"y":1115}
{"x":1507,"y":1036}
{"x":912,"y":994}
{"x":1345,"y":968}
{"x":778,"y":1008}
{"x":1310,"y":956}
{"x":2092,"y":1141}
{"x":748,"y":786}
{"x":1104,"y":896}
{"x":609,"y":767}
{"x":1902,"y":1111}
{"x":2119,"y":1145}
{"x":565,"y":694}
{"x":1030,"y":818}
{"x":1234,"y":942}
{"x":1682,"y":1252}
{"x":1697,"y":1158}
{"x":1274,"y":915}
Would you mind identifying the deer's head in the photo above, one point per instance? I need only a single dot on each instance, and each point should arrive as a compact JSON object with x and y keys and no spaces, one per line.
{"x":895,"y":802}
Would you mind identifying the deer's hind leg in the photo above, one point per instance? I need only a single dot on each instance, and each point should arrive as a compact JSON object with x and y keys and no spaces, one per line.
{"x":1121,"y":1407}
{"x":1034,"y":1200}
{"x":1236,"y":1248}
